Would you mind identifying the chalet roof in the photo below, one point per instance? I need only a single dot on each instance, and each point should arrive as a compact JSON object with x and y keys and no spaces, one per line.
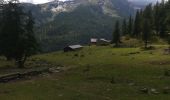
{"x":94,"y":40}
{"x":105,"y":40}
{"x":75,"y":46}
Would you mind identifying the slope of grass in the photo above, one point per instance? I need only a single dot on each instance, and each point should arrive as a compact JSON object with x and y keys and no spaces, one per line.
{"x":88,"y":74}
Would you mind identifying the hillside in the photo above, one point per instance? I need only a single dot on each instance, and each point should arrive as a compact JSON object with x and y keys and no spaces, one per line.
{"x":76,"y":27}
{"x":97,"y":73}
{"x":46,"y":12}
{"x":75,"y":22}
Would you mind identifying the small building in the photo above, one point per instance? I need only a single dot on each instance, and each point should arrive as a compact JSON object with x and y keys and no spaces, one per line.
{"x":72,"y":48}
{"x":93,"y":41}
{"x":103,"y":41}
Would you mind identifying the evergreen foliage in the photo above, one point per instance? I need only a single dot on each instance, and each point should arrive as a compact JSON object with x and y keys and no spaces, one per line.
{"x":17,"y":39}
{"x":124,"y":27}
{"x":137,"y":25}
{"x":154,"y":20}
{"x":130,"y":26}
{"x":116,"y":34}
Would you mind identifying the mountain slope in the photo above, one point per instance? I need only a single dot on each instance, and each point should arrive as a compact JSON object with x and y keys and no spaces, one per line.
{"x":76,"y":27}
{"x":46,"y":12}
{"x":75,"y":22}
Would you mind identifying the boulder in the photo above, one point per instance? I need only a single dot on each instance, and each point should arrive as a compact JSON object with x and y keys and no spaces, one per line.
{"x":55,"y":69}
{"x":154,"y":91}
{"x":166,"y":90}
{"x":144,"y":90}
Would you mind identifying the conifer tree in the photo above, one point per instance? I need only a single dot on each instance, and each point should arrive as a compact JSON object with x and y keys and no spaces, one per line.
{"x":167,"y":20}
{"x":137,"y":25}
{"x":17,"y":40}
{"x":116,"y":34}
{"x":1,"y":8}
{"x":146,"y":32}
{"x":162,"y":19}
{"x":157,"y":17}
{"x":130,"y":26}
{"x":124,"y":27}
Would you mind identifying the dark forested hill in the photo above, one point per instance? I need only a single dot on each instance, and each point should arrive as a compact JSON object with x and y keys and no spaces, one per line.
{"x":75,"y":22}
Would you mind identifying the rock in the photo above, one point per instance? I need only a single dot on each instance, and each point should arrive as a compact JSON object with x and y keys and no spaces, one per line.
{"x":45,"y":75}
{"x":154,"y":91}
{"x":144,"y":90}
{"x":58,"y":68}
{"x":55,"y":69}
{"x":166,"y":90}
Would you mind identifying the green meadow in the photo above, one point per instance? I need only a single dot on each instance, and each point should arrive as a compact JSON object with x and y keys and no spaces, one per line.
{"x":95,"y":73}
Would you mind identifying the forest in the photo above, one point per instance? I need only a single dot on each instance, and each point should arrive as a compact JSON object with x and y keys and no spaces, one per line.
{"x":148,"y":24}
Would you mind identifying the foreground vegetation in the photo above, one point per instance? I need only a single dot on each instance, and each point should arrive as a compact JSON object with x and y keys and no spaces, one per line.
{"x":96,"y":73}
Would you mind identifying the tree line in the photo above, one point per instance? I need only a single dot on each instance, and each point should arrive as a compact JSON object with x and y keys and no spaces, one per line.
{"x":17,"y":40}
{"x":154,"y":20}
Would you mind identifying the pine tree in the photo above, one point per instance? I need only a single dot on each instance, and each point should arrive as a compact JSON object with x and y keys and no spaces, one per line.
{"x":147,"y":24}
{"x":157,"y":17}
{"x":163,"y":2}
{"x":130,"y":26}
{"x":124,"y":27}
{"x":162,"y":20}
{"x":148,"y":14}
{"x":168,"y":40}
{"x":1,"y":8}
{"x":17,"y":40}
{"x":137,"y":25}
{"x":167,"y":20}
{"x":146,"y":32}
{"x":116,"y":34}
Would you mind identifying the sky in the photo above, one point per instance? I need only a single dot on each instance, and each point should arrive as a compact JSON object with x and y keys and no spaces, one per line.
{"x":44,"y":1}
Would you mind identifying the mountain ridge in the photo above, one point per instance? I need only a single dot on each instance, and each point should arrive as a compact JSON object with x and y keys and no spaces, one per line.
{"x":74,"y":22}
{"x":49,"y":10}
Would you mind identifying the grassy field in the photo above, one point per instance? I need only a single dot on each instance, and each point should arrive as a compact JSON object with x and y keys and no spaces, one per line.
{"x":96,"y":73}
